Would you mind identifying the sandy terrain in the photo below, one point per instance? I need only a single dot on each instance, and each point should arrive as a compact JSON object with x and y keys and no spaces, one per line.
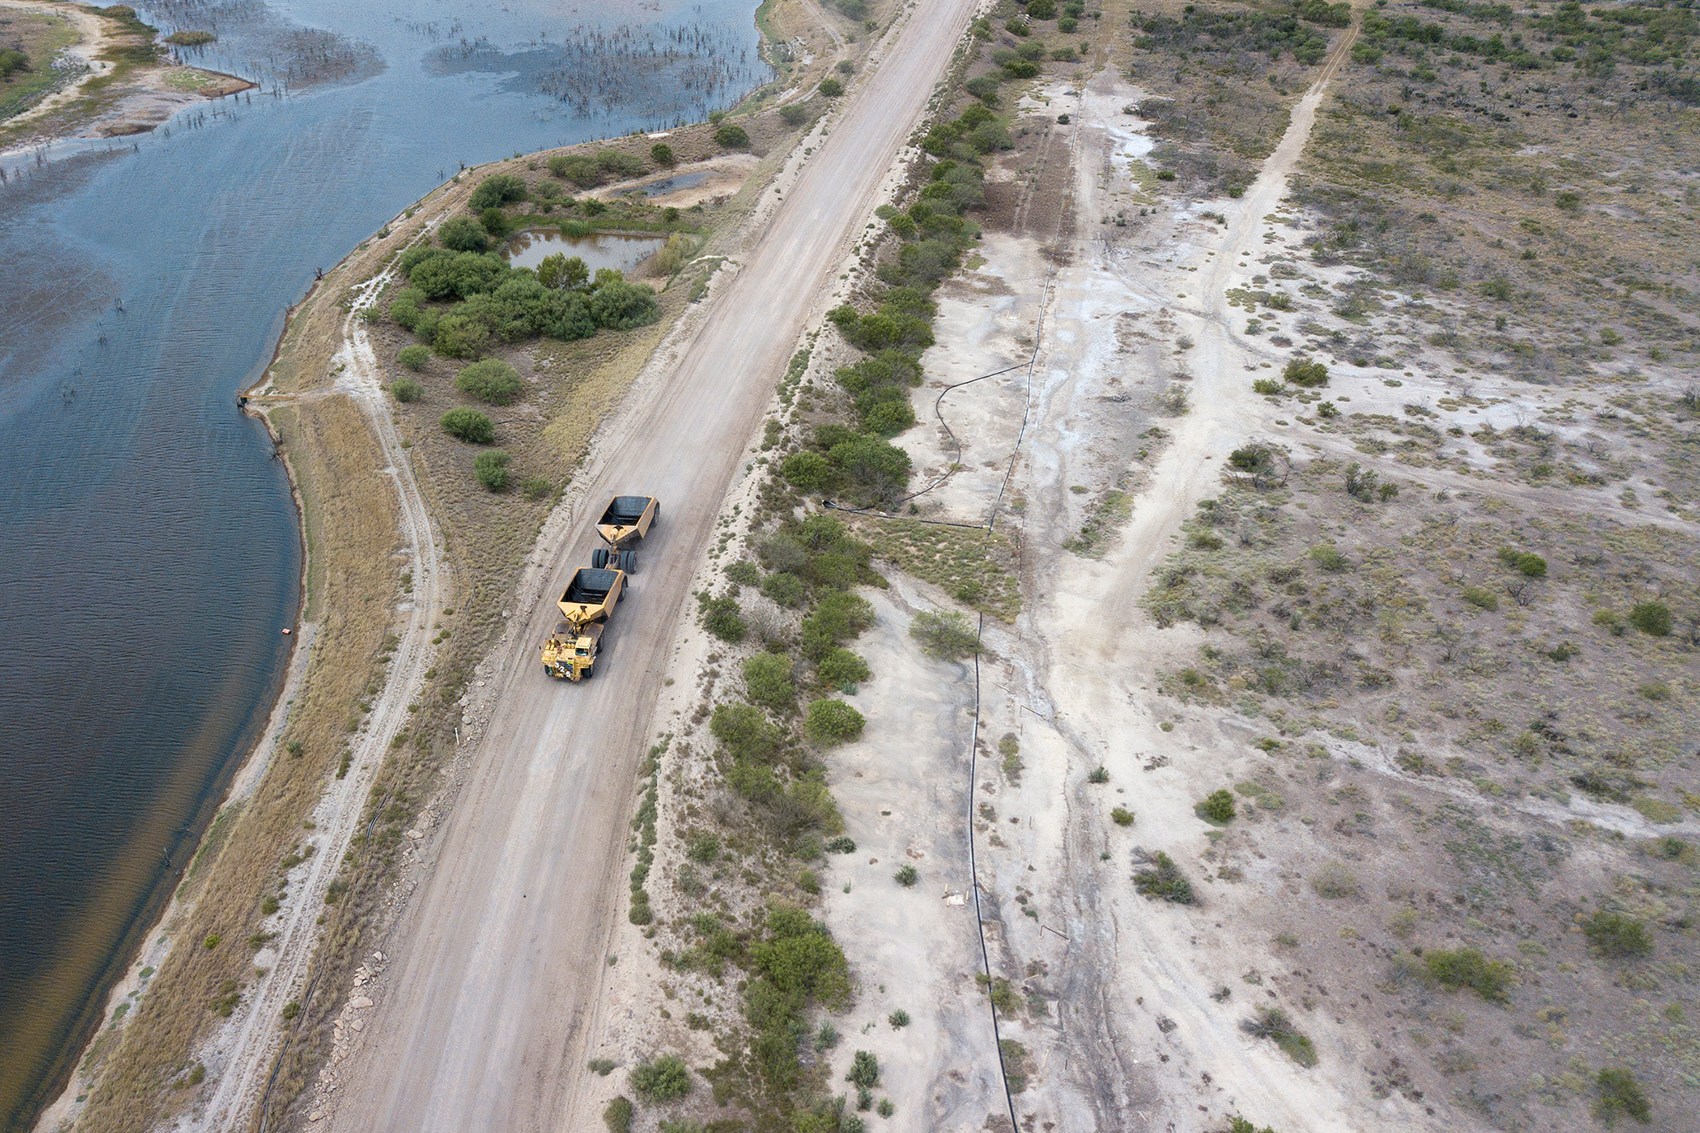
{"x":1136,"y":1039}
{"x":476,"y":1016}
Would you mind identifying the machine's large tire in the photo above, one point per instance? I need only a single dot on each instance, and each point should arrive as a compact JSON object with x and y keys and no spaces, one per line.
{"x":599,"y":558}
{"x":628,"y":561}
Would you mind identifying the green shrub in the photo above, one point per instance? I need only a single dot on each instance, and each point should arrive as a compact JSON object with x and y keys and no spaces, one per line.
{"x":537,"y":487}
{"x":621,"y":305}
{"x":1480,"y":598}
{"x":732,"y":136}
{"x":1272,"y":1023}
{"x":837,"y":617}
{"x":1217,"y":808}
{"x":1617,"y":935}
{"x":468,"y":425}
{"x":831,"y":87}
{"x":1328,"y":557}
{"x":664,"y":1079}
{"x":767,"y":681}
{"x":841,"y":668}
{"x":1042,"y":9}
{"x":406,"y":389}
{"x":944,"y":636}
{"x":1651,"y":618}
{"x":746,"y":733}
{"x":463,"y":234}
{"x":864,"y":1070}
{"x":1620,"y":1093}
{"x":833,"y":722}
{"x":1099,"y":775}
{"x":496,"y":190}
{"x":618,"y":1116}
{"x":495,"y":222}
{"x":1164,"y":880}
{"x":723,"y":618}
{"x":906,"y":876}
{"x":808,"y":472}
{"x":491,"y":468}
{"x":414,"y":357}
{"x":1467,"y":967}
{"x":662,"y":154}
{"x":491,"y":380}
{"x":1121,"y":816}
{"x":1334,"y":881}
{"x":1269,"y":386}
{"x":1525,"y":562}
{"x":785,"y":588}
{"x":1305,"y":372}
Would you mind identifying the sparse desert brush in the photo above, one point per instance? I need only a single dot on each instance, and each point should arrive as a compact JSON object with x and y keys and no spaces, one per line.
{"x":1272,"y":1023}
{"x":1163,"y":880}
{"x":1468,"y":968}
{"x":1334,"y":881}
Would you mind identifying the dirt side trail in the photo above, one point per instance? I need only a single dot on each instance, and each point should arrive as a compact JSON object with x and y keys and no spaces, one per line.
{"x":249,"y":1046}
{"x":477,"y":1022}
{"x":1143,"y":982}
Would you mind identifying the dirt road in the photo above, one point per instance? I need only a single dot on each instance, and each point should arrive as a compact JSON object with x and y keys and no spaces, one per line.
{"x":477,"y":1024}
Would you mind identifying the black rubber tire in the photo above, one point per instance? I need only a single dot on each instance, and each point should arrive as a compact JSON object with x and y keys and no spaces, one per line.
{"x":628,"y":561}
{"x":599,"y":558}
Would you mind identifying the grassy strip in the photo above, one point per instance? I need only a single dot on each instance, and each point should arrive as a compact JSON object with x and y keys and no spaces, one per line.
{"x":975,"y":567}
{"x":39,"y":37}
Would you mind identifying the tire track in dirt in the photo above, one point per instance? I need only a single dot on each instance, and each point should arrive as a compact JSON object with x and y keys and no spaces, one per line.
{"x":244,"y":1053}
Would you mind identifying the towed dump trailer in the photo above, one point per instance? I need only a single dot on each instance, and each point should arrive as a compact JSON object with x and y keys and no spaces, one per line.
{"x":624,"y":523}
{"x":586,"y":605}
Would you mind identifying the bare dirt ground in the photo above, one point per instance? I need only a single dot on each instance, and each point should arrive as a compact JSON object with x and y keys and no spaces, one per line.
{"x":477,"y":1018}
{"x":1120,"y":1023}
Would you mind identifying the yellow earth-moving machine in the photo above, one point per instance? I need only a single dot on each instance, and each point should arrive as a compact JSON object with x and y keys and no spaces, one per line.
{"x":586,"y":605}
{"x":624,"y":523}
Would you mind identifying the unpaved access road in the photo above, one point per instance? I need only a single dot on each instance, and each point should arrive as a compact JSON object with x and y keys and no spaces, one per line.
{"x":495,"y":965}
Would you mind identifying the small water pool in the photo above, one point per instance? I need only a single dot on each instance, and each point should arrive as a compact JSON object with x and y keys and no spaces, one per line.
{"x":598,"y":250}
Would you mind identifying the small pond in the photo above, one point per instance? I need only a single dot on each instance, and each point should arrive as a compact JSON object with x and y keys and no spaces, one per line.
{"x":661,"y":188}
{"x":598,"y":250}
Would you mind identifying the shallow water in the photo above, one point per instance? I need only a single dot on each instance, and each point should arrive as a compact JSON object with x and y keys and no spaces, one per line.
{"x":150,"y":557}
{"x":603,"y":250}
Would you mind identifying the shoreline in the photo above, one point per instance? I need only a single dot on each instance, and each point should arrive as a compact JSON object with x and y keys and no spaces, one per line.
{"x":156,"y":944}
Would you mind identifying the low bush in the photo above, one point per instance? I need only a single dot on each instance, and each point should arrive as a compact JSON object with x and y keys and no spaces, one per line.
{"x":1217,"y":808}
{"x":1272,"y":1023}
{"x":1618,"y":1093}
{"x":1617,"y":935}
{"x":1480,"y":598}
{"x":723,"y":617}
{"x":746,"y":733}
{"x":1468,"y":968}
{"x":841,"y":668}
{"x":1121,"y":816}
{"x":463,"y":234}
{"x":831,"y":87}
{"x":1652,"y":618}
{"x":864,"y":1070}
{"x":1306,"y":372}
{"x":406,"y":389}
{"x":663,"y":1079}
{"x":620,"y":305}
{"x":618,"y":1116}
{"x":497,"y":190}
{"x":414,"y":357}
{"x":944,"y":636}
{"x":833,"y":722}
{"x":662,"y":154}
{"x":767,"y":681}
{"x":1163,"y":880}
{"x":1334,"y":882}
{"x":491,"y":380}
{"x":906,"y":876}
{"x":468,"y":425}
{"x":491,"y":468}
{"x":731,"y":136}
